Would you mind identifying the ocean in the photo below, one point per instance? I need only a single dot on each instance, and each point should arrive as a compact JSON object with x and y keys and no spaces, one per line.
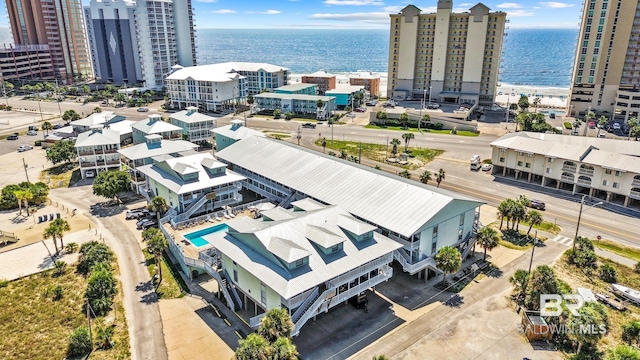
{"x":531,"y":57}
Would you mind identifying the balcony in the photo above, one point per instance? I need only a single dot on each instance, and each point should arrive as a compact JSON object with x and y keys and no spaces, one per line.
{"x":583,"y":171}
{"x":635,"y":195}
{"x":566,"y":178}
{"x":636,"y":182}
{"x":584,"y":182}
{"x":570,"y":168}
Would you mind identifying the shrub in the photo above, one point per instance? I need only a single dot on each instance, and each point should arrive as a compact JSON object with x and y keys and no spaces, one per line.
{"x":608,"y":273}
{"x":57,"y":292}
{"x":438,"y":126}
{"x":92,"y":253}
{"x":79,"y":342}
{"x":101,"y":288}
{"x":623,"y":352}
{"x":631,"y":332}
{"x":3,"y":283}
{"x":637,"y":267}
{"x":59,"y":267}
{"x":454,"y":131}
{"x":71,"y":247}
{"x":38,"y":143}
{"x":568,"y":125}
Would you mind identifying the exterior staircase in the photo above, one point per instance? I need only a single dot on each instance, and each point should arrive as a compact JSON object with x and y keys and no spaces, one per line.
{"x":192,"y":208}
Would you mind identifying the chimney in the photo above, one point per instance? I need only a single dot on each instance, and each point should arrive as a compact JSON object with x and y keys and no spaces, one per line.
{"x":153,"y":141}
{"x":236,"y":124}
{"x":191,"y":110}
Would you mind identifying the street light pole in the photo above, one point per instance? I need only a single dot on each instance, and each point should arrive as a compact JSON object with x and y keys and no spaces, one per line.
{"x":422,"y":106}
{"x":575,"y":238}
{"x":429,"y":95}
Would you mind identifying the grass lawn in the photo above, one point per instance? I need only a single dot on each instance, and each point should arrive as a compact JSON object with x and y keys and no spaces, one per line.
{"x":517,"y":240}
{"x":545,"y":226}
{"x":61,"y":175}
{"x":431,"y":131}
{"x":34,"y":326}
{"x":616,"y":248}
{"x":172,"y":285}
{"x":377,"y":152}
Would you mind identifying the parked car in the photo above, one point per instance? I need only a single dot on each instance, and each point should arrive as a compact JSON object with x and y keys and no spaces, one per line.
{"x":309,"y":125}
{"x":32,"y":133}
{"x":22,"y":148}
{"x":360,"y":109}
{"x":487,"y":167}
{"x":135,"y":214}
{"x":433,"y":106}
{"x":536,"y":204}
{"x":592,"y":124}
{"x":90,"y":173}
{"x":143,"y":109}
{"x":602,"y":134}
{"x":145,"y":224}
{"x":350,"y":115}
{"x":552,"y":115}
{"x":13,"y":136}
{"x":372,"y":103}
{"x":616,"y":126}
{"x":32,"y":127}
{"x":57,"y":126}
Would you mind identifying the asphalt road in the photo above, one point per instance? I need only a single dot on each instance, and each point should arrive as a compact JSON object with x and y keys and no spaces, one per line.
{"x":140,"y":300}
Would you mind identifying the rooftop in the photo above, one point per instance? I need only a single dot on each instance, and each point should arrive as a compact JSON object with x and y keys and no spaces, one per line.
{"x":236,"y":131}
{"x":320,"y":74}
{"x":146,"y":150}
{"x":222,"y":71}
{"x":191,"y":116}
{"x":296,"y":87}
{"x":608,"y":153}
{"x":153,"y":125}
{"x":168,"y":173}
{"x":261,"y":246}
{"x":269,"y":95}
{"x":400,"y":205}
{"x":342,"y":89}
{"x":98,"y":118}
{"x":97,"y":137}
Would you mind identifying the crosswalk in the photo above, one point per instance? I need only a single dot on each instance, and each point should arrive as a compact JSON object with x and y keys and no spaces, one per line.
{"x":563,"y":240}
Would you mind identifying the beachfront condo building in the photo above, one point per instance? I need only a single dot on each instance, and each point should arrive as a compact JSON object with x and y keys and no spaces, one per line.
{"x":323,"y":79}
{"x":58,"y":24}
{"x":137,"y":42}
{"x":606,"y":73}
{"x":601,"y":169}
{"x":450,"y":57}
{"x":221,"y":87}
{"x":370,"y":82}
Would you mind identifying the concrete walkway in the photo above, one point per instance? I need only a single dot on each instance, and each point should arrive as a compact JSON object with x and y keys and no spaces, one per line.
{"x":615,"y":257}
{"x":36,"y":257}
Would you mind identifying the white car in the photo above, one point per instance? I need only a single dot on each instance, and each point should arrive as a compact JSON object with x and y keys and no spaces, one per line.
{"x":487,"y":167}
{"x":22,"y":148}
{"x":32,"y":133}
{"x":90,"y":173}
{"x":351,"y":115}
{"x":616,"y":126}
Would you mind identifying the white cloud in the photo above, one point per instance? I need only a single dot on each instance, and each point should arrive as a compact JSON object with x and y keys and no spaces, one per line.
{"x":393,"y":9}
{"x":207,"y":1}
{"x":519,"y":13}
{"x":223,"y":11}
{"x":353,"y":2}
{"x":509,"y":6}
{"x":271,"y":12}
{"x":363,"y":16}
{"x":556,"y":5}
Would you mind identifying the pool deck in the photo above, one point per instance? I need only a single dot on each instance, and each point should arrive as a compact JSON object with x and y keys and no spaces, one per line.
{"x":189,"y":249}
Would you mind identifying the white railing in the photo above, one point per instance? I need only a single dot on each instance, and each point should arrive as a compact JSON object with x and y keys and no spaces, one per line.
{"x":255,"y":321}
{"x":361,"y":270}
{"x":296,"y":315}
{"x":232,"y":286}
{"x":214,"y":274}
{"x":415,"y":267}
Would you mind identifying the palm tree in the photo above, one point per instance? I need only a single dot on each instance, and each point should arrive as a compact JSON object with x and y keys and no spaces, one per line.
{"x":62,"y":225}
{"x":159,"y":205}
{"x":440,"y":176}
{"x":631,"y":123}
{"x":535,"y":218}
{"x":518,"y":213}
{"x":380,"y":357}
{"x":395,"y":142}
{"x":407,"y":137}
{"x":156,"y":246}
{"x":382,"y":115}
{"x":524,"y":200}
{"x":425,"y":177}
{"x":324,"y":145}
{"x":20,"y":195}
{"x":283,"y":348}
{"x":448,"y":260}
{"x":276,"y":324}
{"x":404,"y":117}
{"x":504,"y":211}
{"x":519,"y":281}
{"x":487,"y":239}
{"x":405,"y":174}
{"x":254,"y":347}
{"x":601,"y":123}
{"x":46,"y":126}
{"x":51,"y":231}
{"x":536,"y":102}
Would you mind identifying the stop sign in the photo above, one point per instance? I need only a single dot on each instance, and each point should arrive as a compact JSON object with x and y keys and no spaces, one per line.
{"x":599,"y":237}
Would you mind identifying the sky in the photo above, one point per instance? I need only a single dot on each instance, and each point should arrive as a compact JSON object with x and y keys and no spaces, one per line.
{"x":360,"y":14}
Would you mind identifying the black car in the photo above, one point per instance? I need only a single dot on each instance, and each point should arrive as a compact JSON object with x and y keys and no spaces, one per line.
{"x":536,"y":204}
{"x":136,"y":214}
{"x":145,"y":224}
{"x":57,"y":126}
{"x":13,"y":137}
{"x":309,"y":125}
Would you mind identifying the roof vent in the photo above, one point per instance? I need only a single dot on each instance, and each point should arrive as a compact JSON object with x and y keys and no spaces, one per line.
{"x":191,"y":110}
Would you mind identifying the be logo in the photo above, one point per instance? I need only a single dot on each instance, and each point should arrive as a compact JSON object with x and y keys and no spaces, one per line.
{"x":551,"y":304}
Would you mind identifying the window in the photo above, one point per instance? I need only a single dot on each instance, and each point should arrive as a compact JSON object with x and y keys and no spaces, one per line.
{"x":605,"y":182}
{"x":503,"y":150}
{"x":527,"y":165}
{"x":299,"y":263}
{"x":550,"y":160}
{"x":335,"y":248}
{"x":435,"y":232}
{"x":519,"y":163}
{"x":618,"y":173}
{"x":462,"y":220}
{"x":434,"y":245}
{"x":263,"y":294}
{"x":616,"y":185}
{"x":607,"y":171}
{"x":501,"y":159}
{"x":548,"y":171}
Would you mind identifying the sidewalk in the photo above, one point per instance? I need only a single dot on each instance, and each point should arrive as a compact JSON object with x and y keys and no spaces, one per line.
{"x":615,"y":257}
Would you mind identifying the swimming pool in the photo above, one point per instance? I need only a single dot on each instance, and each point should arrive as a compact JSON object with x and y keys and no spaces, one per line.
{"x":196,"y":237}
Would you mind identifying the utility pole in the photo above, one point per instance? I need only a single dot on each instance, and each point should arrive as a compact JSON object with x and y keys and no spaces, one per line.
{"x":575,"y":238}
{"x":360,"y":154}
{"x":25,"y":170}
{"x":299,"y":136}
{"x":58,"y":97}
{"x":331,"y":132}
{"x":386,"y":153}
{"x":89,"y":321}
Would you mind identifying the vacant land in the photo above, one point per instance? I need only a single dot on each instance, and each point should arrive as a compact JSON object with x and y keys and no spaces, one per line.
{"x":61,"y":175}
{"x":35,"y":326}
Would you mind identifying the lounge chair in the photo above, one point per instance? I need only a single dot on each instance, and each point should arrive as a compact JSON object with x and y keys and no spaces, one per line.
{"x":218,"y":218}
{"x":231,"y":214}
{"x":210,"y":219}
{"x":227,"y":216}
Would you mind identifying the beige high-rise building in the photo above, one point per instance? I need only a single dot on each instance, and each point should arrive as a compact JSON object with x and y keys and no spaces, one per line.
{"x":58,"y":24}
{"x":606,"y":74}
{"x":447,"y":56}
